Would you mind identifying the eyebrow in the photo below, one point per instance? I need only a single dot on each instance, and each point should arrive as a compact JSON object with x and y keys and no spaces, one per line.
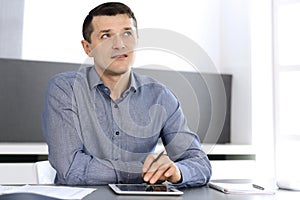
{"x":109,"y":30}
{"x":127,"y":28}
{"x":104,"y":31}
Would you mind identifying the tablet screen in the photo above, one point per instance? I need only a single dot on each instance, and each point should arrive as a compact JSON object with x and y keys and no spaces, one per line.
{"x":146,"y":189}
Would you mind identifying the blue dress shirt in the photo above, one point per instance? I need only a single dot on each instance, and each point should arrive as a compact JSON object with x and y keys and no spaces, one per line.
{"x":94,"y":140}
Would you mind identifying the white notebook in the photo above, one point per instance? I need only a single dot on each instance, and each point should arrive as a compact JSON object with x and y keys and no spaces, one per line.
{"x":239,"y":188}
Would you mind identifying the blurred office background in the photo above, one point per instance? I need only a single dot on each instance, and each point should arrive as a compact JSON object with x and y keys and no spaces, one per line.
{"x":255,"y":41}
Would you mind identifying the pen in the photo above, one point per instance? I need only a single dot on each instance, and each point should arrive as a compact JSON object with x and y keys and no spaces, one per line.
{"x":156,"y":159}
{"x":258,"y":187}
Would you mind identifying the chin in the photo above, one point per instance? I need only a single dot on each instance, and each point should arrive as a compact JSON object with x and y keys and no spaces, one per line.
{"x":117,"y":70}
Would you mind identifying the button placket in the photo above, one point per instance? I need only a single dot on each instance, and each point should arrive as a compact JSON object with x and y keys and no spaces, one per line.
{"x":116,"y":130}
{"x":116,"y":141}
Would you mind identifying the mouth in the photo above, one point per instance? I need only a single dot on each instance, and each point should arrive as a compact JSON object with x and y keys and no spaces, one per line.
{"x":119,"y":56}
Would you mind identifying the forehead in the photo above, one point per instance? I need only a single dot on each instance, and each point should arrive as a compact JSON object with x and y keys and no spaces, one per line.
{"x":115,"y":22}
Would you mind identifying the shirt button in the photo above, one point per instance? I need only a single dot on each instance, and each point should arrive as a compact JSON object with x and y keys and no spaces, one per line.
{"x":132,"y":90}
{"x":117,"y":132}
{"x":116,"y":106}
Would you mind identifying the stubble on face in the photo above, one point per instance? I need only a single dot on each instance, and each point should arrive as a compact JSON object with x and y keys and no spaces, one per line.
{"x":113,"y":42}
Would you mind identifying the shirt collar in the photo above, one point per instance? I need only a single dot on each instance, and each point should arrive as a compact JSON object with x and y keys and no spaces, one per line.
{"x":94,"y":80}
{"x":133,"y":82}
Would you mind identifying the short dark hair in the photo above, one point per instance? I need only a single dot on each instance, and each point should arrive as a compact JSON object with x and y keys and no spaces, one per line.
{"x":108,"y":9}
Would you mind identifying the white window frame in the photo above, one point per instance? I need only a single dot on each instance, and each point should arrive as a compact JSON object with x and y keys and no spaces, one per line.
{"x":285,"y":158}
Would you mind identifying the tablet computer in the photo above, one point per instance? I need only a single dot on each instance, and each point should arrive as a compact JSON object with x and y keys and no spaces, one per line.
{"x":145,"y":189}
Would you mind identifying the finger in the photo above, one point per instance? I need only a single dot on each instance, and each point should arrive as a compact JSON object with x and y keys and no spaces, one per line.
{"x":159,"y":173}
{"x":150,"y":160}
{"x":147,"y":164}
{"x":151,"y":171}
{"x":158,"y":168}
{"x":170,"y":171}
{"x":173,"y":174}
{"x":160,"y":180}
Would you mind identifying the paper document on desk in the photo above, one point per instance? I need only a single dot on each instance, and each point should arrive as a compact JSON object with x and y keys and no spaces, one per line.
{"x":60,"y":192}
{"x":239,"y":188}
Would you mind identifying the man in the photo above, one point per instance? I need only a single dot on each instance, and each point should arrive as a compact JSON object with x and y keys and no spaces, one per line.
{"x":103,"y":122}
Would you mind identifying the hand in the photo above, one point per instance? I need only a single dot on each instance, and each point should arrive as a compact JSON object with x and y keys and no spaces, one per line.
{"x":163,"y":169}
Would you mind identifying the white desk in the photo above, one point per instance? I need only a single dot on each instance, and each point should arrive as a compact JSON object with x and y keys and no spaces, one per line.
{"x":23,"y":149}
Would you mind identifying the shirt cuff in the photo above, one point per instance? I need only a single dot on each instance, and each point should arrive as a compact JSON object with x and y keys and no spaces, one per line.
{"x":185,"y":175}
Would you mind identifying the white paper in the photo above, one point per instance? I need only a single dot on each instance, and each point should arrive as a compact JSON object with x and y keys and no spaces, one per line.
{"x":60,"y":192}
{"x":238,"y":188}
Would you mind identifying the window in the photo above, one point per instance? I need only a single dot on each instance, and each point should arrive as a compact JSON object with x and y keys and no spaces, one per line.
{"x":287,"y":86}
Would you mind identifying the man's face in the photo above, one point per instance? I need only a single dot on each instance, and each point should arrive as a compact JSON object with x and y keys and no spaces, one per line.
{"x":112,"y":43}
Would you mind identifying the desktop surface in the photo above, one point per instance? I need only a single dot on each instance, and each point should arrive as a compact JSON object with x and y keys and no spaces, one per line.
{"x":196,"y":193}
{"x":104,"y":192}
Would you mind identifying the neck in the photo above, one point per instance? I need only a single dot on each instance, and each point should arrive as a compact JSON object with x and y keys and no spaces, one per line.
{"x":116,"y":83}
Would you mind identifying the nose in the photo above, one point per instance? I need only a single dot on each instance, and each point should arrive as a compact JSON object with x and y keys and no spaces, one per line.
{"x":118,"y":42}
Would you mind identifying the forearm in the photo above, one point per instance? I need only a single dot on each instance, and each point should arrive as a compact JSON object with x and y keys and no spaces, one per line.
{"x":184,"y":148}
{"x":195,"y":171}
{"x":83,"y":170}
{"x":88,"y":170}
{"x":75,"y":166}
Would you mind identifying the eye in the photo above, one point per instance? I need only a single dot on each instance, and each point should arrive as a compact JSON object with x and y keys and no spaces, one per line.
{"x":127,"y":33}
{"x":105,"y":36}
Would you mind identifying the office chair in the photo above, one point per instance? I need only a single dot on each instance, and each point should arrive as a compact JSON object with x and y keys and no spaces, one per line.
{"x":45,"y":172}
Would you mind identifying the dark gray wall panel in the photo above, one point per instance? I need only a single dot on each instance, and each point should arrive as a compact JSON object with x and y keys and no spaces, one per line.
{"x":23,"y":84}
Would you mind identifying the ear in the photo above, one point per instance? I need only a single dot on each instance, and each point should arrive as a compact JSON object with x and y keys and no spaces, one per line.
{"x":87,"y":47}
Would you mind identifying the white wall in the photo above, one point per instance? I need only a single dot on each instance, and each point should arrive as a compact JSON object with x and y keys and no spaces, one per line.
{"x":235,"y":58}
{"x":52,"y":32}
{"x":11,"y":28}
